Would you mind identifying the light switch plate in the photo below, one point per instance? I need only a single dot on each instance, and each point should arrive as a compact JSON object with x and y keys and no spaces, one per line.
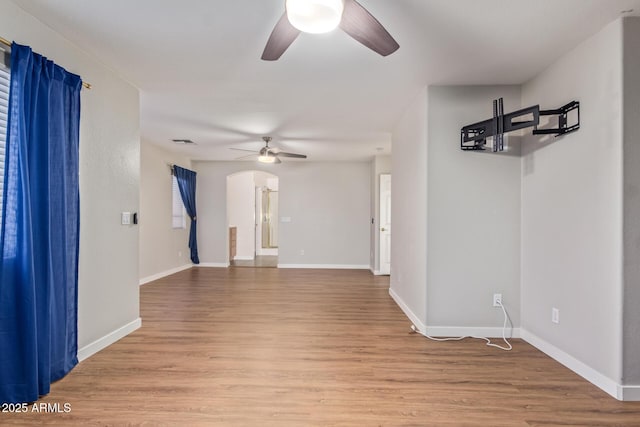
{"x":126,"y":218}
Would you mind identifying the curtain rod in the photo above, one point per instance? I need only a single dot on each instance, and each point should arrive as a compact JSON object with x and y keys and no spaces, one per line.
{"x":8,"y":44}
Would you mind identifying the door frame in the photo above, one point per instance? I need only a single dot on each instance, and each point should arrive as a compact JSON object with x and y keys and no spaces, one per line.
{"x":384,"y":224}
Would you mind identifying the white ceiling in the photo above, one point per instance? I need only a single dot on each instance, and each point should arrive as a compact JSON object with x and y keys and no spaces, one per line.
{"x":197,"y":64}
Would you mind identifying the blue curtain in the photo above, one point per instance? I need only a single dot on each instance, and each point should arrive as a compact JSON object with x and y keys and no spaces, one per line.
{"x":40,"y":228}
{"x":187,"y":185}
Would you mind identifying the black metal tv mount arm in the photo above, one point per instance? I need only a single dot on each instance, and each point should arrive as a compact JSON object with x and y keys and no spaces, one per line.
{"x":474,"y":136}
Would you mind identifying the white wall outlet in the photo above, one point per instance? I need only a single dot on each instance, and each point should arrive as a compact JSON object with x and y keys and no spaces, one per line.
{"x":125,"y":218}
{"x":179,"y":254}
{"x":301,"y":251}
{"x":497,"y":300}
{"x":555,"y":315}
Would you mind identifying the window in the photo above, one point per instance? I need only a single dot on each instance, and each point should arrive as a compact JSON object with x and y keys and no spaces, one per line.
{"x":179,"y":214}
{"x":4,"y":109}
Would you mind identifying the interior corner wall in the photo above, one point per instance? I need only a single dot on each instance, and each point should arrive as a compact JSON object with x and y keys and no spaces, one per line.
{"x":572,"y":211}
{"x":473,"y":250}
{"x":379,"y":165}
{"x":631,"y":135}
{"x":163,"y":249}
{"x":108,"y":293}
{"x":325,"y":207}
{"x":408,"y":282}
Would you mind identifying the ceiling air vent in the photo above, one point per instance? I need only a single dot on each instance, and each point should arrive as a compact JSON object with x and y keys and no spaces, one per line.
{"x":183,"y":141}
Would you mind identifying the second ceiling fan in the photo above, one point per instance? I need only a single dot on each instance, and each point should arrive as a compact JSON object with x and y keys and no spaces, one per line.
{"x":270,"y":154}
{"x":320,"y":16}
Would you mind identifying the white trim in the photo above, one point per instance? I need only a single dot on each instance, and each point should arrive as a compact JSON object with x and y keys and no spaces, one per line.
{"x":588,"y":373}
{"x":378,"y":272}
{"x":213,"y":264}
{"x":407,"y":311}
{"x":157,"y":276}
{"x":101,"y":343}
{"x":326,"y":266}
{"x":629,"y":393}
{"x":243,"y":258}
{"x":471,"y":331}
{"x":451,"y":331}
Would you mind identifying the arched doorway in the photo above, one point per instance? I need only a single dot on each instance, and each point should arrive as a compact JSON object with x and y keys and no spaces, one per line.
{"x":252,"y":219}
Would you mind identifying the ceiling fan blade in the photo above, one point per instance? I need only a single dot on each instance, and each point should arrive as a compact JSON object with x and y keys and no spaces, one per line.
{"x":362,"y":26}
{"x":242,"y":149}
{"x":294,"y":155}
{"x":281,"y":37}
{"x":277,"y":160}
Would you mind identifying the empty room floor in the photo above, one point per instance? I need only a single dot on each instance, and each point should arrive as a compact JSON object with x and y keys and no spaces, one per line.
{"x":250,"y":346}
{"x":269,"y":261}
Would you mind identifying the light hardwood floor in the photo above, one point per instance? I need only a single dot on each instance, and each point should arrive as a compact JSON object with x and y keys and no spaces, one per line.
{"x":264,"y":261}
{"x":256,"y":347}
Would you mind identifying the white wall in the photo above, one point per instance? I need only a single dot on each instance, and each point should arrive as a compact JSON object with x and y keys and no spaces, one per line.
{"x":563,"y":220}
{"x":572,"y":209}
{"x":241,"y":193}
{"x":473,"y":217}
{"x":328,"y":204}
{"x":263,"y":179}
{"x":163,"y":249}
{"x":409,"y":211}
{"x":453,"y":211}
{"x":109,"y":181}
{"x":631,"y":231}
{"x":379,"y":165}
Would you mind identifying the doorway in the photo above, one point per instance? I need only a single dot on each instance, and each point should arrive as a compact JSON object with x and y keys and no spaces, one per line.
{"x":252,"y":219}
{"x":385,"y":224}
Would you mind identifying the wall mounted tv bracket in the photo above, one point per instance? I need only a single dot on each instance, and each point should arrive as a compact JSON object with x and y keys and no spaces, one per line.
{"x":474,"y":136}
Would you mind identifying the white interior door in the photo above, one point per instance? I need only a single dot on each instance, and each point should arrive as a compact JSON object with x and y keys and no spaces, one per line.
{"x":385,"y":224}
{"x":258,"y":223}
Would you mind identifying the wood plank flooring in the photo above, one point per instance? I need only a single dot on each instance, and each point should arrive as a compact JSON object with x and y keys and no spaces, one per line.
{"x":264,"y":261}
{"x":272,"y":347}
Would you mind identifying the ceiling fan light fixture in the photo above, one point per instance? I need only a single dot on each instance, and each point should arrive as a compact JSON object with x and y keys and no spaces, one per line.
{"x":267,"y":159}
{"x":314,"y":16}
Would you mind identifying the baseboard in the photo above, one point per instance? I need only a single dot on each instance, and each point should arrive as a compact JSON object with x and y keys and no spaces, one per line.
{"x":153,"y":277}
{"x":629,"y":393}
{"x":243,"y":258}
{"x":326,"y":266}
{"x":451,"y":331}
{"x":407,"y":311}
{"x":588,"y":373}
{"x":213,"y":264}
{"x":471,"y":331}
{"x":101,"y":343}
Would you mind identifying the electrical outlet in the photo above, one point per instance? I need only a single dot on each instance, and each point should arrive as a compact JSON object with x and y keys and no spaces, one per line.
{"x":497,"y":300}
{"x":179,"y":254}
{"x":555,"y":315}
{"x":301,"y":251}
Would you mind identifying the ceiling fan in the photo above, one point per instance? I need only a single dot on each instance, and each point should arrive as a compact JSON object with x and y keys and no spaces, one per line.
{"x":270,"y":154}
{"x":321,"y":16}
